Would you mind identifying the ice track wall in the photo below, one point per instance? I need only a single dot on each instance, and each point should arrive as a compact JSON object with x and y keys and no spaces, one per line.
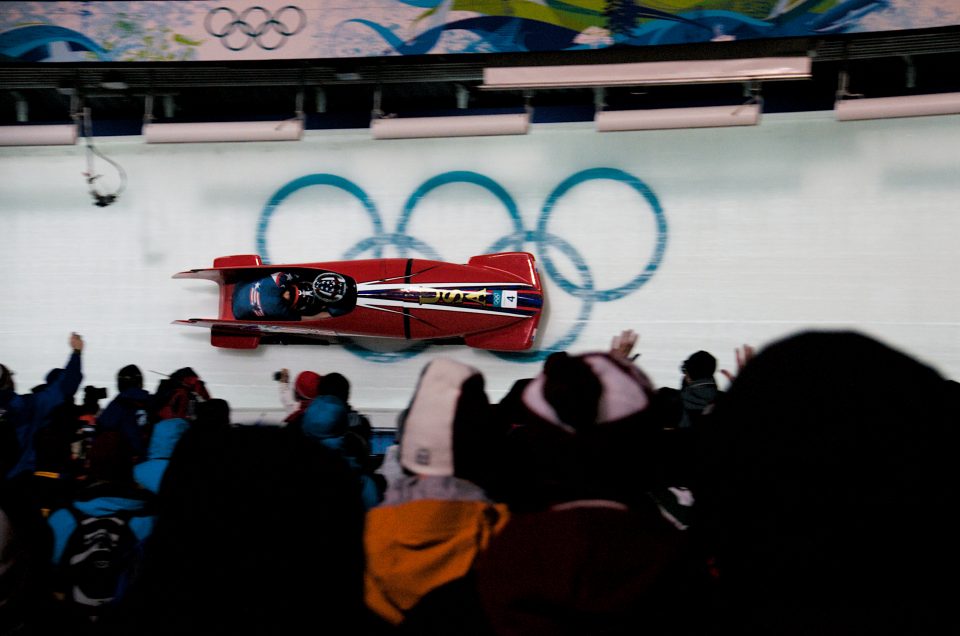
{"x":698,"y":239}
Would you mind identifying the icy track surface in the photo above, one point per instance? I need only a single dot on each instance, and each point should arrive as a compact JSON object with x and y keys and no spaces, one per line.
{"x":697,"y":239}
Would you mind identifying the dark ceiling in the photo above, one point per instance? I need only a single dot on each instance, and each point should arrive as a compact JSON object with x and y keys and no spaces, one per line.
{"x":342,"y":93}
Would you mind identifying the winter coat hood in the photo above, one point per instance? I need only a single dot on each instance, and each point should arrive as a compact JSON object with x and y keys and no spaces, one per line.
{"x":418,"y":546}
{"x":166,"y":434}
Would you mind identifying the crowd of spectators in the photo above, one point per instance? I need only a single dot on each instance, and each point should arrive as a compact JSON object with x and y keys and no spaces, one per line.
{"x":811,"y":495}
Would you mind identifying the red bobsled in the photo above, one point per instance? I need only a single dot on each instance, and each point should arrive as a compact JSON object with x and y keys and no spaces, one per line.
{"x":492,"y":302}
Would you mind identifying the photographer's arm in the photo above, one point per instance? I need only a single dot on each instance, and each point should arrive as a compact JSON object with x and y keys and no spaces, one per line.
{"x":286,"y":397}
{"x":67,"y":383}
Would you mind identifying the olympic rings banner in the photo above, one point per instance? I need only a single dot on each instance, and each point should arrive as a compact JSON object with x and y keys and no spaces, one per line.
{"x":164,"y":31}
{"x":697,"y":239}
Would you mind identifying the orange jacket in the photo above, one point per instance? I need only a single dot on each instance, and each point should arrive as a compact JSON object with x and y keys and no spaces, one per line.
{"x":415,"y":547}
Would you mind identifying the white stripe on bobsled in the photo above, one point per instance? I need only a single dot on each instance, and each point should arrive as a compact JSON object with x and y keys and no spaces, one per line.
{"x":371,"y":303}
{"x":416,"y":288}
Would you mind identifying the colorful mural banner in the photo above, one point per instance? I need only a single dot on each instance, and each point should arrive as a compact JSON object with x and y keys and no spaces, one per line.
{"x":171,"y":31}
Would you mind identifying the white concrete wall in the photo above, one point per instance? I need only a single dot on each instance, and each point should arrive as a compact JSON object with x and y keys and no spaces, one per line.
{"x":801,"y":222}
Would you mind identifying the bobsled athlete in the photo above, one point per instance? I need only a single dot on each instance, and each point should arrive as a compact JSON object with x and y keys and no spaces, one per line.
{"x":285,"y":296}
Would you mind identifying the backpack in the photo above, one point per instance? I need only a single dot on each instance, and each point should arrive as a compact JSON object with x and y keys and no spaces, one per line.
{"x":99,"y":560}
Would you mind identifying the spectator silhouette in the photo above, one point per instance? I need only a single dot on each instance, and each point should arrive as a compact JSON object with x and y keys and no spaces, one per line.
{"x":52,"y":376}
{"x":178,"y":395}
{"x":585,"y":430}
{"x":56,"y":477}
{"x":257,"y":533}
{"x":163,"y":440}
{"x":128,"y":411}
{"x":357,"y":439}
{"x":593,"y":546}
{"x":24,"y":415}
{"x":110,"y":490}
{"x":305,"y":388}
{"x":213,"y":415}
{"x":27,"y":603}
{"x":825,"y":472}
{"x":326,"y":421}
{"x":683,"y":413}
{"x":433,"y":523}
{"x":337,"y":385}
{"x":697,"y":394}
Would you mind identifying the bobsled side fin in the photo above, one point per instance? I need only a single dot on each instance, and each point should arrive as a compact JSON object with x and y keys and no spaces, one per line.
{"x":203,"y":274}
{"x":226,"y":334}
{"x":516,"y":337}
{"x":238,"y":260}
{"x":520,"y":264}
{"x":232,"y":340}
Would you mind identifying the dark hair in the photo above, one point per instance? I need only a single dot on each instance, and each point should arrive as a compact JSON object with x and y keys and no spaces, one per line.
{"x":335,"y":384}
{"x":129,"y":377}
{"x":6,"y":378}
{"x":476,"y":436}
{"x":700,"y":365}
{"x":214,"y":413}
{"x":572,"y":389}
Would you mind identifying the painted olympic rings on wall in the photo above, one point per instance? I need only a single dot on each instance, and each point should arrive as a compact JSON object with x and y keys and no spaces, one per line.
{"x":255,"y":25}
{"x":544,"y":241}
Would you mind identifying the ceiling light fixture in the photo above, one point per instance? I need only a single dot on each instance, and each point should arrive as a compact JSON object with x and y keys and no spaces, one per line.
{"x":906,"y":106}
{"x":648,"y":73}
{"x":227,"y":131}
{"x":209,"y":132}
{"x":384,"y":126}
{"x":663,"y":118}
{"x":454,"y":126}
{"x":39,"y":135}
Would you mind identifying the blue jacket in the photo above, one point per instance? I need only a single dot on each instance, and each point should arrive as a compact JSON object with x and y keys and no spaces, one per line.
{"x":63,"y":523}
{"x":31,"y":412}
{"x":166,"y":434}
{"x":263,"y":300}
{"x":326,"y":421}
{"x":127,"y":413}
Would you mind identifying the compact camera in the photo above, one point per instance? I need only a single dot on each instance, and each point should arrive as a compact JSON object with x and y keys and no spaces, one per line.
{"x":93,"y":394}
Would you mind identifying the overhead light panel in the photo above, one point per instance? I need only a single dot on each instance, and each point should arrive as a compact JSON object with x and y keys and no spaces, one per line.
{"x":209,"y":132}
{"x":290,"y":129}
{"x":662,"y":118}
{"x":888,"y":107}
{"x":455,"y":126}
{"x":648,"y":73}
{"x":39,"y":135}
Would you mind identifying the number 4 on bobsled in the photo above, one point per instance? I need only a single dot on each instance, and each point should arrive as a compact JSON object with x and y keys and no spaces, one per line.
{"x":494,"y":301}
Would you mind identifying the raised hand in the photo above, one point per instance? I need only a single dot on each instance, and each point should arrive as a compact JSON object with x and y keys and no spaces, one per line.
{"x":744,"y":354}
{"x":622,"y":345}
